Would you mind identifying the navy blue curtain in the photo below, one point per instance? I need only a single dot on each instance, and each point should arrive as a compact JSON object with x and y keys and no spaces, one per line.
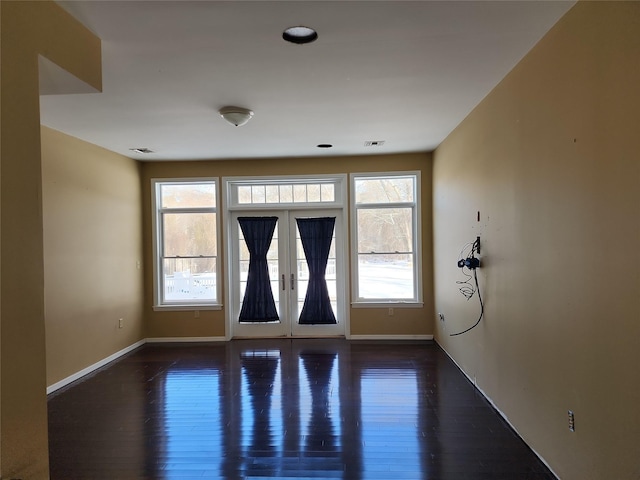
{"x":258,"y":304}
{"x":316,"y":235}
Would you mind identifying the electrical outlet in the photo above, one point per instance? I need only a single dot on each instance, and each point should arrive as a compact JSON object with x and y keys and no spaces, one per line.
{"x":196,"y":314}
{"x":120,"y":322}
{"x":391,"y":312}
{"x":441,"y":316}
{"x":572,"y":421}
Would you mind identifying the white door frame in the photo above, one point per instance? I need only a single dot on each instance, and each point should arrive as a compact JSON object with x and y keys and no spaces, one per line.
{"x":230,"y":210}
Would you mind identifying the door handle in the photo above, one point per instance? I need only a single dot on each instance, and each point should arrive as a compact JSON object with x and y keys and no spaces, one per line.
{"x":283,"y":283}
{"x":292,"y":281}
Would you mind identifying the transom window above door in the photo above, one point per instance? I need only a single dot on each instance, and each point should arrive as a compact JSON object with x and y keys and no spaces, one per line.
{"x":267,"y":192}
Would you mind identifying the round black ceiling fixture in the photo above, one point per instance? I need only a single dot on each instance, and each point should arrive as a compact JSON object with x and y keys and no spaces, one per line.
{"x":300,"y":35}
{"x":324,"y":145}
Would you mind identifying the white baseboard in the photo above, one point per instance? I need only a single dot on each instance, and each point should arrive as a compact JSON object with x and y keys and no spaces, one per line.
{"x":390,"y":337}
{"x":500,"y":412}
{"x":91,"y":368}
{"x":185,"y":339}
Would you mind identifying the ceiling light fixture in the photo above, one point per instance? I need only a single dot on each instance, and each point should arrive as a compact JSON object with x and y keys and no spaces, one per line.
{"x":237,"y":116}
{"x":324,"y":145}
{"x":300,"y":35}
{"x":141,"y":150}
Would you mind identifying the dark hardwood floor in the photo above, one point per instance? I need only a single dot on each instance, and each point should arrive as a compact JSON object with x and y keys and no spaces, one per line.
{"x":269,"y":409}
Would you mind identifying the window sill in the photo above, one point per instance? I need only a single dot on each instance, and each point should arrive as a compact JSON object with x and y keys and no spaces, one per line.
{"x":185,"y":308}
{"x":394,"y":304}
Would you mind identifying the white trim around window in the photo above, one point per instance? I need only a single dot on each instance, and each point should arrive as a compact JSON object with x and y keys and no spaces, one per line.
{"x":284,"y":192}
{"x":386,"y":243}
{"x":186,"y":247}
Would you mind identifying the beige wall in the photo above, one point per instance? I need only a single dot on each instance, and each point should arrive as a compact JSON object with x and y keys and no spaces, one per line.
{"x":28,"y":29}
{"x":550,"y":160}
{"x":92,"y":245}
{"x":364,"y":321}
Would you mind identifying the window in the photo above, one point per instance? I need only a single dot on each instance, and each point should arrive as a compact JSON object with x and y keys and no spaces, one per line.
{"x":293,"y":192}
{"x":186,"y":243}
{"x":386,"y":237}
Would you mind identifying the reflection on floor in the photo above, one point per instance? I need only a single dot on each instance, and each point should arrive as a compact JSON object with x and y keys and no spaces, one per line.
{"x":270,"y":409}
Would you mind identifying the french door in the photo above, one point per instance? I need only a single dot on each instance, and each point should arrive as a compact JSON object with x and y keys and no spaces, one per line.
{"x":287,"y":278}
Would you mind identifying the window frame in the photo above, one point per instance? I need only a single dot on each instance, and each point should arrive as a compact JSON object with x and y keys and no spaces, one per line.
{"x":415,"y":206}
{"x":232,"y":184}
{"x":158,"y":241}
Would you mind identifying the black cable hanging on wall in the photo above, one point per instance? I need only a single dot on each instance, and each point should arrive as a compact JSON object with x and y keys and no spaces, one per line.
{"x":470,"y":262}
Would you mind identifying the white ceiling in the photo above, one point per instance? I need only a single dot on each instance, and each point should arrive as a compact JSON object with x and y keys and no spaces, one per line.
{"x":403,"y":72}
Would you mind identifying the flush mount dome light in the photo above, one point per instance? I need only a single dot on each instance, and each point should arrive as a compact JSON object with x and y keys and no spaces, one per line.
{"x":300,"y":35}
{"x":237,"y":116}
{"x":141,"y":150}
